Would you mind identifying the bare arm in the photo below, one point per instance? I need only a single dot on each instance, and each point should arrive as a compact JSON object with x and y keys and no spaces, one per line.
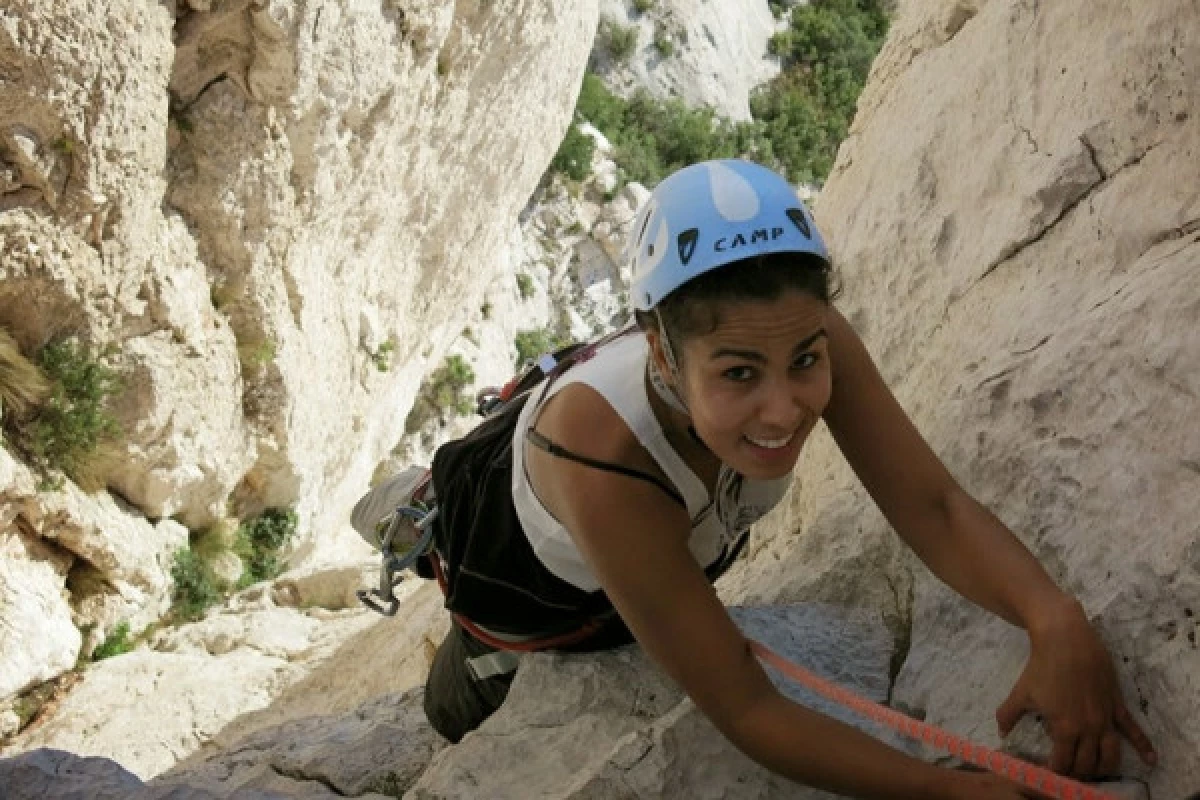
{"x":1069,"y":676}
{"x":635,"y":539}
{"x":961,"y":541}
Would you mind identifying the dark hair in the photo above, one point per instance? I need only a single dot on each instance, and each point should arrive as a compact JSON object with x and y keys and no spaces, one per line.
{"x":694,"y":308}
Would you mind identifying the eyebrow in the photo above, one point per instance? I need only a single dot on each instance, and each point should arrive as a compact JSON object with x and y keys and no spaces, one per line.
{"x":751,"y":355}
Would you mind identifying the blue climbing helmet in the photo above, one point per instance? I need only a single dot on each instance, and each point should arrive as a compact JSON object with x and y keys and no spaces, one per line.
{"x":708,"y":215}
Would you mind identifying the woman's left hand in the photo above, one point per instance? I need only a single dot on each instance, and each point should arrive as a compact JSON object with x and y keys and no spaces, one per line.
{"x":1069,"y":679}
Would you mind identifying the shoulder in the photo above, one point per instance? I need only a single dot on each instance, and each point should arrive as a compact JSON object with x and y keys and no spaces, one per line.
{"x":579,"y":419}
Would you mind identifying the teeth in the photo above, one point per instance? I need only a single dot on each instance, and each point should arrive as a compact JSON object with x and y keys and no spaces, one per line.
{"x":770,"y":444}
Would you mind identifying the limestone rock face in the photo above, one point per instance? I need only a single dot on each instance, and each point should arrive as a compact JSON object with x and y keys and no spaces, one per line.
{"x":358,"y":165}
{"x":612,"y":725}
{"x":240,"y":204}
{"x":73,"y":559}
{"x":87,"y":249}
{"x":562,"y":277}
{"x":378,"y":750}
{"x":37,"y":635}
{"x":191,"y":682}
{"x":1019,"y":234}
{"x":717,"y":51}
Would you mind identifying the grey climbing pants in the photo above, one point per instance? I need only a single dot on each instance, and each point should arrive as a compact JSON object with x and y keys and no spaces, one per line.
{"x":456,"y":701}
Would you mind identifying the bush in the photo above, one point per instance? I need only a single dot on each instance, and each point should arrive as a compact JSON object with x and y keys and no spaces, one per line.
{"x":619,"y":41}
{"x":70,"y":428}
{"x":442,"y":394}
{"x":196,"y":588}
{"x":599,"y":106}
{"x":654,"y":137}
{"x":642,"y":6}
{"x":664,"y":44}
{"x":799,"y":118}
{"x":533,"y":343}
{"x":383,"y":356}
{"x":803,"y":114}
{"x":117,"y":643}
{"x":525,"y":285}
{"x":255,"y":355}
{"x":574,"y":156}
{"x":259,"y":542}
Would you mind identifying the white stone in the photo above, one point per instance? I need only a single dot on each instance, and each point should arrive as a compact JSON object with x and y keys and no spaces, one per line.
{"x":1024,"y":275}
{"x":612,"y":725}
{"x":37,"y":636}
{"x":10,"y":723}
{"x":720,"y":52}
{"x":383,"y":746}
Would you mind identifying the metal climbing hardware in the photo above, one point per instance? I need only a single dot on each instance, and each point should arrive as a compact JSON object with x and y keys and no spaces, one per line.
{"x":421,"y":517}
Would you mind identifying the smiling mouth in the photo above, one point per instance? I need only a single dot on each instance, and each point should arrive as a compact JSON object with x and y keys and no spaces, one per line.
{"x":772,"y":444}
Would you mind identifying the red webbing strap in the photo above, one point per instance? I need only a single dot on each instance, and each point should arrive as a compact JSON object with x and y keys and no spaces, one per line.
{"x":1037,"y":778}
{"x":527,"y":646}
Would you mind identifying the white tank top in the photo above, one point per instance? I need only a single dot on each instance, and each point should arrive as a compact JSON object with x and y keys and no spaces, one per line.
{"x":617,"y":372}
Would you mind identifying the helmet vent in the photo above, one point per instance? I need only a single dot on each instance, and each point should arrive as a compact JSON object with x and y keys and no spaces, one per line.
{"x":800,"y":221}
{"x":687,"y":244}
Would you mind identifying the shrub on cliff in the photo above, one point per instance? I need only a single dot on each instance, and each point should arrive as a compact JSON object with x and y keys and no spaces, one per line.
{"x":533,"y":343}
{"x":799,"y":118}
{"x":619,"y":41}
{"x":442,"y":394}
{"x":803,"y":114}
{"x":260,"y":541}
{"x":116,"y":643}
{"x":196,"y":588}
{"x":61,"y":421}
{"x":574,"y":156}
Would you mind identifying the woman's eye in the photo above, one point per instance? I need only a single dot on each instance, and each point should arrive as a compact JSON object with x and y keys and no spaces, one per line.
{"x":739,"y":374}
{"x":805,"y":361}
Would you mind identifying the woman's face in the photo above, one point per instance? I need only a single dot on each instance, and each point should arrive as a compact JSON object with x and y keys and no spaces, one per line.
{"x":757,"y":385}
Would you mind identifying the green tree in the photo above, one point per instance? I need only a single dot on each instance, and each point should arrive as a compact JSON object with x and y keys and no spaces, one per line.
{"x":195,"y":589}
{"x":74,"y":422}
{"x":574,"y":156}
{"x":259,"y":543}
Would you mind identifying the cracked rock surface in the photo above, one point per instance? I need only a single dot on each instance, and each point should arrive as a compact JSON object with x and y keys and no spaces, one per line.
{"x":1018,"y":229}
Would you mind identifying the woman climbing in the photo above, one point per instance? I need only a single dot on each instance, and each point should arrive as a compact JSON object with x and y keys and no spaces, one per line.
{"x":629,"y":480}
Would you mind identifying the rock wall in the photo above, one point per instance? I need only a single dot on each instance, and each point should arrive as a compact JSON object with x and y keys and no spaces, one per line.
{"x":1017,"y":223}
{"x":241,"y":204}
{"x":1016,"y":218}
{"x":705,"y":52}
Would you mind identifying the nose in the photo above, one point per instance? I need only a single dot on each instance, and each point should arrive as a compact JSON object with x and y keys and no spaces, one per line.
{"x":781,"y":408}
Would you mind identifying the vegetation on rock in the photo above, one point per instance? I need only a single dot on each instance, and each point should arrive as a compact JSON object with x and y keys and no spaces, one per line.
{"x":196,"y":588}
{"x":116,"y":643}
{"x":442,"y":394}
{"x":61,"y":419}
{"x":533,"y":343}
{"x":260,"y":541}
{"x":619,"y":41}
{"x":798,"y":119}
{"x":574,"y":156}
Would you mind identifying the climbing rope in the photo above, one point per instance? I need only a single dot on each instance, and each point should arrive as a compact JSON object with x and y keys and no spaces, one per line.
{"x":384,"y":601}
{"x":1033,"y":777}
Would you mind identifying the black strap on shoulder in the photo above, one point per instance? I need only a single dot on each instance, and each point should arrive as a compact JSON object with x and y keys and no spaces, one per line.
{"x":539,"y":440}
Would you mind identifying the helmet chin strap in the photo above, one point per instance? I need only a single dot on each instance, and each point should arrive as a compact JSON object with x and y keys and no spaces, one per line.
{"x":666,"y":391}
